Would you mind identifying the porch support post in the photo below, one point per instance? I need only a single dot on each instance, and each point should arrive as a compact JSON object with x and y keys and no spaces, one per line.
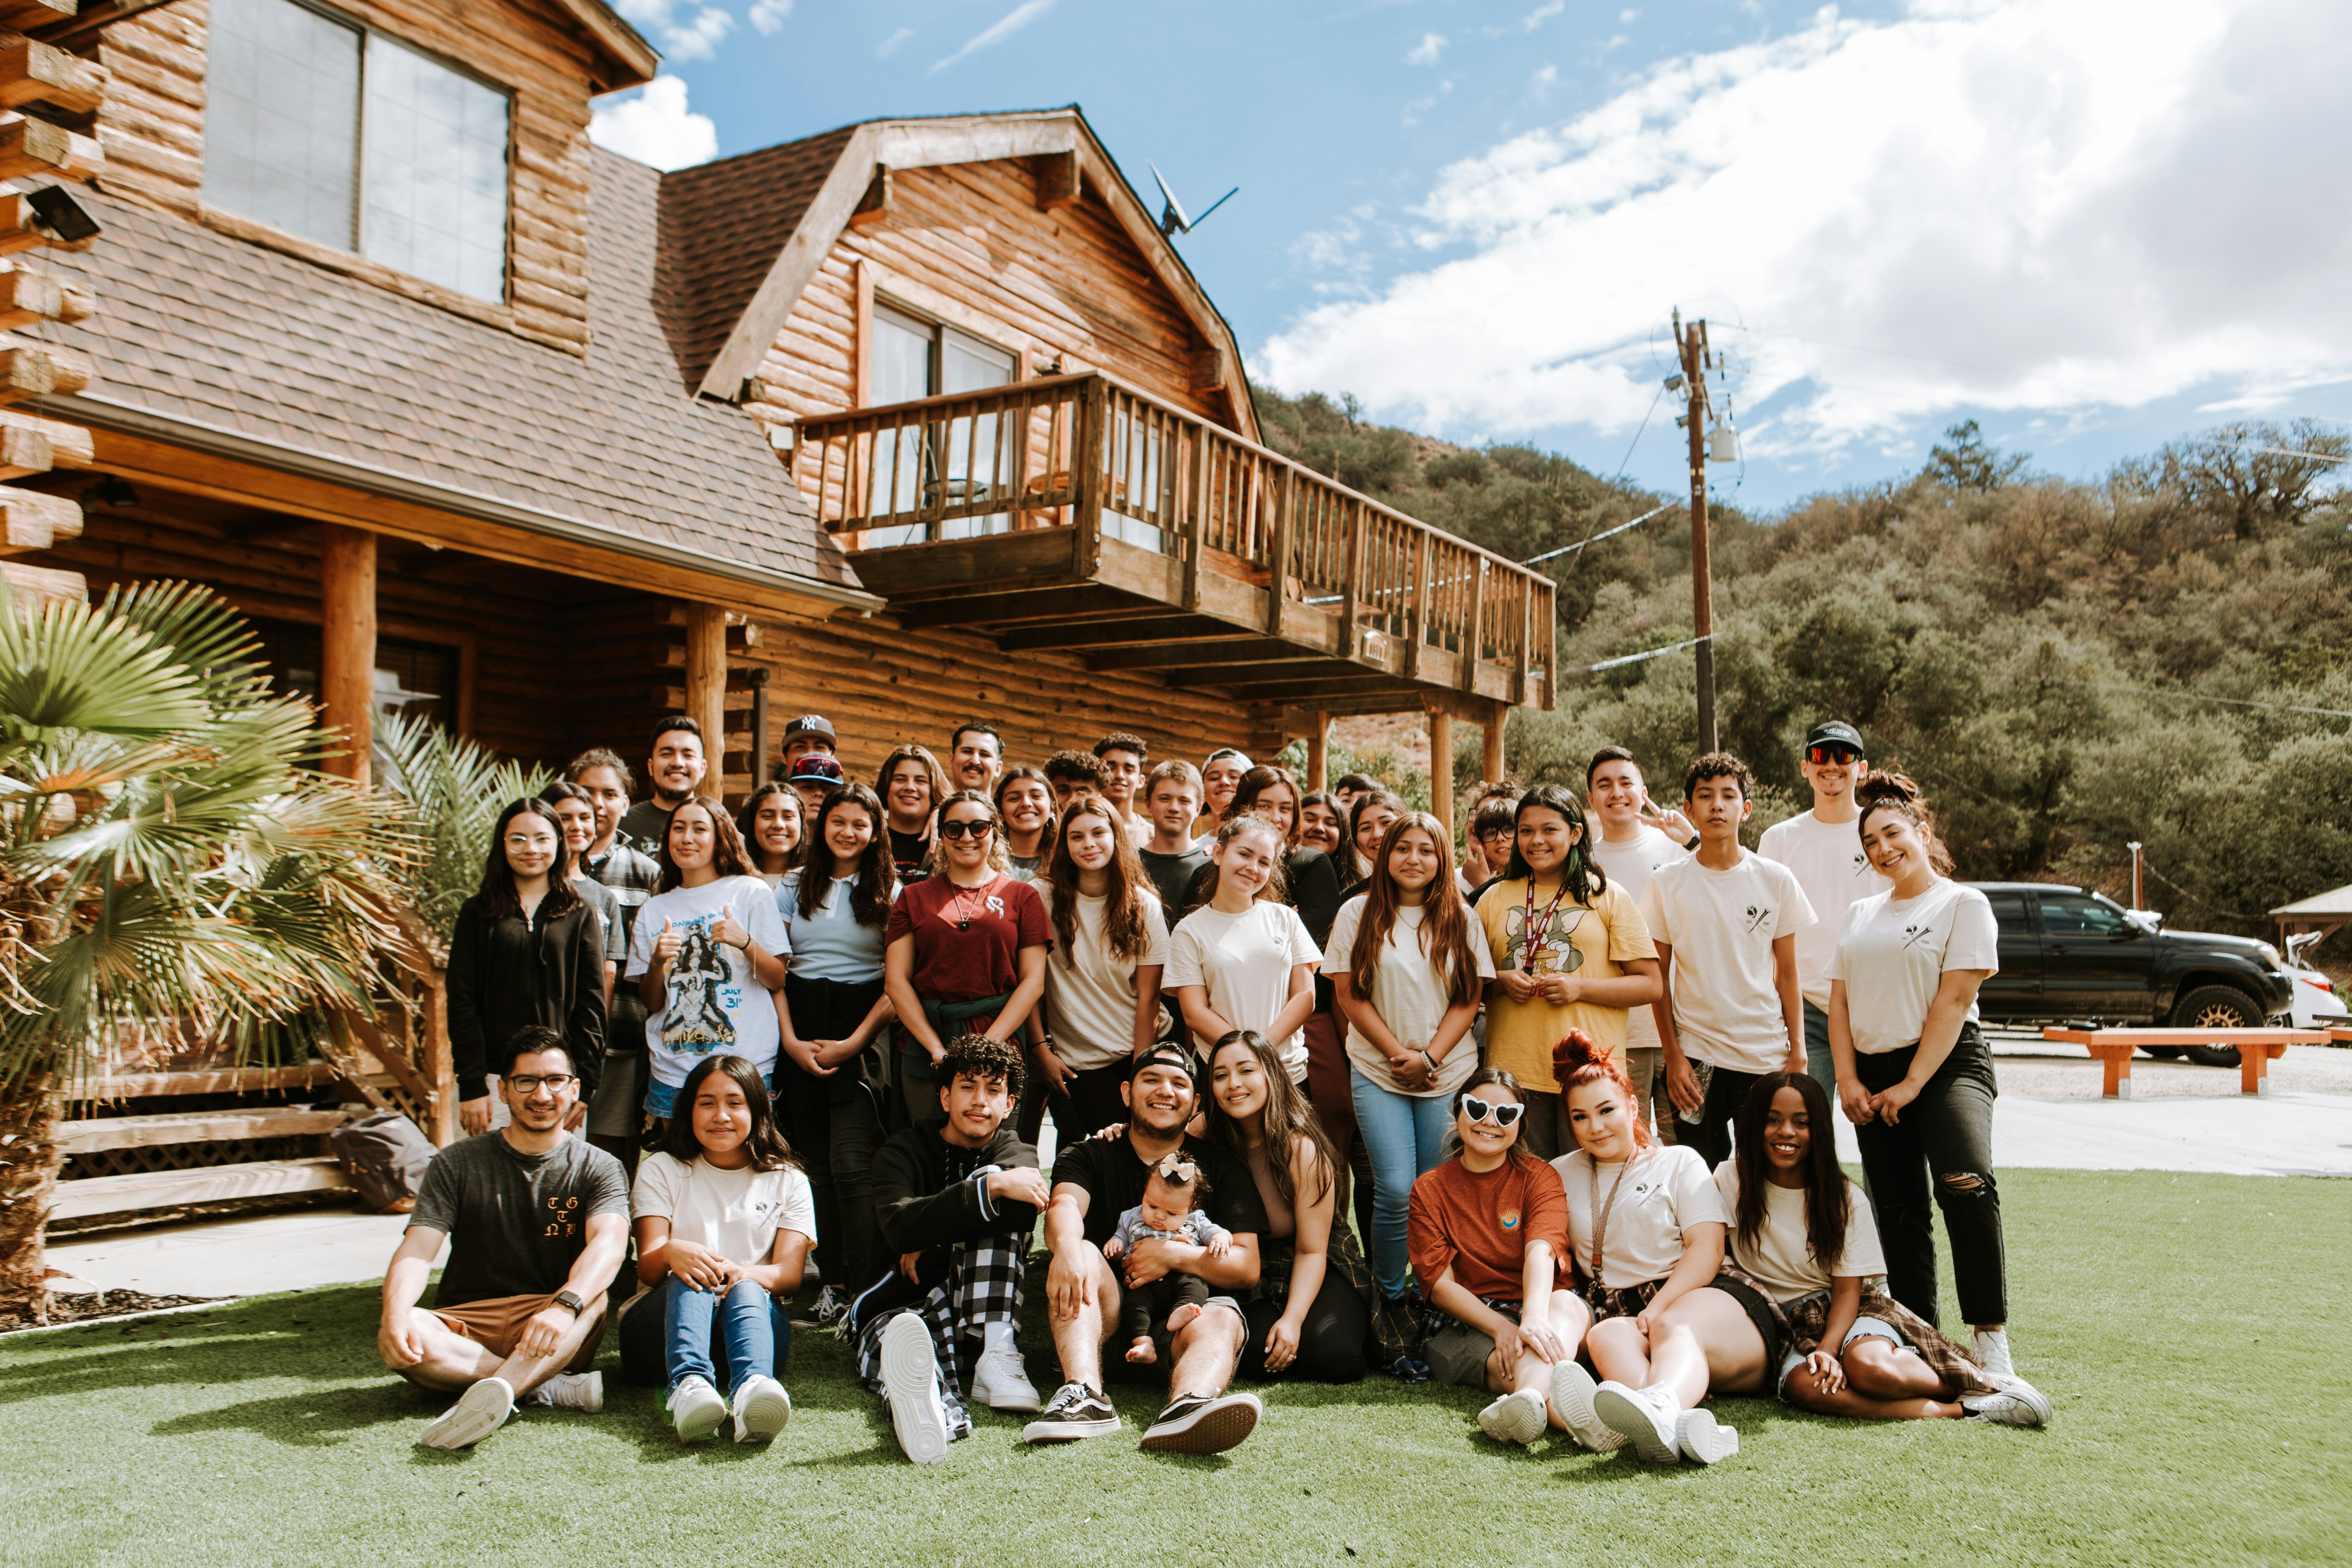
{"x":1490,"y":765}
{"x":347,"y":625}
{"x":1441,"y":770}
{"x":706,"y":686}
{"x":1319,"y":754}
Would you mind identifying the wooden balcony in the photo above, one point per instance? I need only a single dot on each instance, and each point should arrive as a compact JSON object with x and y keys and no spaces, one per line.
{"x":1072,"y":513}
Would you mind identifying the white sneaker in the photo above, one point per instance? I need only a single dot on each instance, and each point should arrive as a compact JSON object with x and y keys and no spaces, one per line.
{"x":1000,"y":1382}
{"x":1992,"y":1350}
{"x":695,"y":1409}
{"x":1571,"y":1401}
{"x":1702,"y":1439}
{"x":1646,"y":1416}
{"x":2017,"y":1403}
{"x":479,"y":1411}
{"x":572,"y":1391}
{"x":910,"y":1382}
{"x":1516,"y":1417}
{"x":761,"y":1408}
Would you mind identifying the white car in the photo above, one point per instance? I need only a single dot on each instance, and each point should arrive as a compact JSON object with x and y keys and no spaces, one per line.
{"x":2317,"y":1006}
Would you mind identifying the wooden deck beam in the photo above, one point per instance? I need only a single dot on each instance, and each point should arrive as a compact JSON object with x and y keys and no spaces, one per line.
{"x":1206,"y":653}
{"x":1126,"y":629}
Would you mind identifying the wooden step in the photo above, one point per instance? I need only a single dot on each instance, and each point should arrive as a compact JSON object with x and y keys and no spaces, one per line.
{"x":222,"y":1081}
{"x":192,"y":1127}
{"x":204,"y":1184}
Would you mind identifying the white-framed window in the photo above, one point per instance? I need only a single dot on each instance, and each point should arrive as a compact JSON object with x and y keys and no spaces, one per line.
{"x":915,"y":357}
{"x":318,"y":126}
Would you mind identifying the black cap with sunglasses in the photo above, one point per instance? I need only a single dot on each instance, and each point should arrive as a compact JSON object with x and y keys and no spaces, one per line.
{"x":1836,"y":740}
{"x":1165,"y":1056}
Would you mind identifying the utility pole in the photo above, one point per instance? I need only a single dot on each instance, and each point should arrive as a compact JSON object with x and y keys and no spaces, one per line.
{"x":1692,"y":342}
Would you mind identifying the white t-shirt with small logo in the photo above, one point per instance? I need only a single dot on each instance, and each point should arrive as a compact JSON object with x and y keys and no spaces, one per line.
{"x":1722,"y":925}
{"x":1894,"y":954}
{"x":1781,"y":1257}
{"x":1666,"y":1193}
{"x":1831,"y":867}
{"x":1630,"y":865}
{"x":1090,"y":990}
{"x":736,"y":1214}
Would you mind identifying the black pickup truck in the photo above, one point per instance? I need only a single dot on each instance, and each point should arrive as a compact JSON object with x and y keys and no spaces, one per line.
{"x":2071,"y":955}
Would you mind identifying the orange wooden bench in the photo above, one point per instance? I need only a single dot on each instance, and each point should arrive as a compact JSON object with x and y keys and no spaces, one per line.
{"x":2256,"y":1049}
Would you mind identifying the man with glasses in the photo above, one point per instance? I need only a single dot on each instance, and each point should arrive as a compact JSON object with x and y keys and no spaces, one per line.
{"x":1823,"y":847}
{"x":536,"y":1220}
{"x":1094,"y":1183}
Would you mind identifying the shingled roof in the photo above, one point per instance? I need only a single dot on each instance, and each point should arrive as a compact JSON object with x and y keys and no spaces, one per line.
{"x":199,"y":326}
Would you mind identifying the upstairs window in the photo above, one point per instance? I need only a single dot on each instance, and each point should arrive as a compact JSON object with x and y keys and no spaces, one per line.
{"x":319,"y":127}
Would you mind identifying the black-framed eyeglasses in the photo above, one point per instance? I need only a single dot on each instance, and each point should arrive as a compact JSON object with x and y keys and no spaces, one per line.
{"x":960,"y":829}
{"x":1504,"y":1113}
{"x":532,"y":1082}
{"x":1830,"y":754}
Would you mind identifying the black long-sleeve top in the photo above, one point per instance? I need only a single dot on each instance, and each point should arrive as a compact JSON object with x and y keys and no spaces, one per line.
{"x":924,"y":1195}
{"x":506,"y":972}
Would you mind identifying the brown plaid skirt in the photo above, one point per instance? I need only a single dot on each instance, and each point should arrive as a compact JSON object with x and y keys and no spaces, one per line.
{"x":1807,"y":1317}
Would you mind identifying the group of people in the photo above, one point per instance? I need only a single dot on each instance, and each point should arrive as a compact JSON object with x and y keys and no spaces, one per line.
{"x":1550,"y":1118}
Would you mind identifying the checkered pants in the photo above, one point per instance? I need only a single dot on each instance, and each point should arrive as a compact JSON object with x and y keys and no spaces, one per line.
{"x":982,"y":1285}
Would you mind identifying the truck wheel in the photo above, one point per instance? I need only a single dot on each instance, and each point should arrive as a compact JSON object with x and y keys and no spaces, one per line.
{"x":2216,"y":1007}
{"x":2165,"y":1053}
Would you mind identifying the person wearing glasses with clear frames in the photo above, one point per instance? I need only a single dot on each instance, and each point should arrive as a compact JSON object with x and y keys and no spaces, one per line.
{"x":1488,"y":1235}
{"x":964,"y":951}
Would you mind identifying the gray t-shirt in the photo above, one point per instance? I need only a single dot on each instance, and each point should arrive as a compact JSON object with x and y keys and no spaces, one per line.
{"x":607,"y":906}
{"x":516,"y":1223}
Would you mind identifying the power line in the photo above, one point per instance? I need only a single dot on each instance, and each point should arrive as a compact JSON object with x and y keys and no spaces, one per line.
{"x":1597,"y":538}
{"x":2227,"y":701}
{"x":1653,"y":653}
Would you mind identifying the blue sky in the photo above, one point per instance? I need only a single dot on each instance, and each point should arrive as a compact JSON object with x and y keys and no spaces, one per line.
{"x":2095,"y":227}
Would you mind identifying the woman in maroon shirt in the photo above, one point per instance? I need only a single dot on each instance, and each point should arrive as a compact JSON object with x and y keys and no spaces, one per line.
{"x":966,"y":949}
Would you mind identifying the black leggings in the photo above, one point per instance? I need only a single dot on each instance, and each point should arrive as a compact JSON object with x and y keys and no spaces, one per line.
{"x":1330,"y":1343}
{"x":1092,"y":1103}
{"x":833,"y":1124}
{"x":1946,"y":1132}
{"x":1727,"y":1091}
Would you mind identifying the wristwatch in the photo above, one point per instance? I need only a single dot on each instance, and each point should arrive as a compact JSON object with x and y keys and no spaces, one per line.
{"x":566,"y":1299}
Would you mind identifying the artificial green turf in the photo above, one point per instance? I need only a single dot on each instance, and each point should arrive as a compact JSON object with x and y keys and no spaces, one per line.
{"x":2190,"y":1330}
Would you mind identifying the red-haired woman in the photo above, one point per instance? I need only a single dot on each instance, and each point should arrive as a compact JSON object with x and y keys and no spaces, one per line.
{"x":1407,"y":963}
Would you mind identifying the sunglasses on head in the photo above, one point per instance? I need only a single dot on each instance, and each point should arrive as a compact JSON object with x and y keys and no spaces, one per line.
{"x":1502,"y":1114}
{"x":959,"y":829}
{"x":1830,"y":754}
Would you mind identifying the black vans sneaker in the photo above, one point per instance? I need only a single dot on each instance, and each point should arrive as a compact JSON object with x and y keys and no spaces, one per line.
{"x":1197,"y":1426}
{"x":1076,"y":1411}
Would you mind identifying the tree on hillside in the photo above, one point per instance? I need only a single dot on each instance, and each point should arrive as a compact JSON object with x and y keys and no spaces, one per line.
{"x":1970,"y":462}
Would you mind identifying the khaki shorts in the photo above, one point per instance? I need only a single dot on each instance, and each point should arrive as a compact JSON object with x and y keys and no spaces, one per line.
{"x":1458,"y":1354}
{"x":496,"y":1323}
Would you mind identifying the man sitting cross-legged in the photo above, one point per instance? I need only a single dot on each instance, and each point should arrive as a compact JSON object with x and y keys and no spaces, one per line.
{"x":536,"y":1220}
{"x":1094,"y":1183}
{"x":955,"y":1201}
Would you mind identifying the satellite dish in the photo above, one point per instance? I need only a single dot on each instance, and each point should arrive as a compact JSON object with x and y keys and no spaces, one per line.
{"x":1173,"y":219}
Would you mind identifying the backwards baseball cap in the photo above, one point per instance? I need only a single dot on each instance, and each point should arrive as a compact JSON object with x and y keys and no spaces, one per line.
{"x":1222,"y":752}
{"x":1165,"y":1055}
{"x":810,"y":724}
{"x":816,"y":768}
{"x":1837,"y":733}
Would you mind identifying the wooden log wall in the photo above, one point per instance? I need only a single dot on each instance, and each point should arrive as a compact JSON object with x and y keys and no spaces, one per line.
{"x":973,"y":245}
{"x":151,"y":126}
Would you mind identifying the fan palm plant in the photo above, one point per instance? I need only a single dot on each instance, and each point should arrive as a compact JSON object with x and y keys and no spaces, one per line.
{"x":173,"y":867}
{"x":453,"y":790}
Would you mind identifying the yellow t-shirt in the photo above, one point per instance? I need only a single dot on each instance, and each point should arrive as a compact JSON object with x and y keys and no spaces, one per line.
{"x":1584,"y":942}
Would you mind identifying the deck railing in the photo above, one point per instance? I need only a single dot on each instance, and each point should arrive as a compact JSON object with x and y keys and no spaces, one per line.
{"x":1084,"y":452}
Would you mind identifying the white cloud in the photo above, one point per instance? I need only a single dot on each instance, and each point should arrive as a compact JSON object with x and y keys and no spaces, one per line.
{"x":679,"y":38}
{"x":1012,"y":22}
{"x":1545,"y":79}
{"x":2005,"y":205}
{"x":890,"y":44}
{"x":654,"y":126}
{"x":1425,"y":52}
{"x":1543,"y":13}
{"x":1629,"y":16}
{"x":767,"y":16}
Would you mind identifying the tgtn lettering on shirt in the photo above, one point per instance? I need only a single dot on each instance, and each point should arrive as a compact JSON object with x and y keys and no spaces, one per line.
{"x":566,"y":1220}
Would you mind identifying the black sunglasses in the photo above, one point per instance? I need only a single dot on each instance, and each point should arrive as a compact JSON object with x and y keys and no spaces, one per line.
{"x":959,"y":829}
{"x":1505,"y":1114}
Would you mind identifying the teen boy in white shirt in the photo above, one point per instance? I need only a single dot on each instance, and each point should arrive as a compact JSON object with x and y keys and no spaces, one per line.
{"x":1725,"y":923}
{"x":1636,"y":839}
{"x":1823,"y":847}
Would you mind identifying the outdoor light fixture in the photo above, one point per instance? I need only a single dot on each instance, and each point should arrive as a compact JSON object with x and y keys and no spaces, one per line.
{"x":61,"y":215}
{"x":1673,"y":384}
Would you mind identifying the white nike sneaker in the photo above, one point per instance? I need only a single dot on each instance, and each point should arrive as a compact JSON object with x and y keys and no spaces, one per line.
{"x":2017,"y":1403}
{"x":695,"y":1409}
{"x":1646,"y":1416}
{"x":479,"y":1411}
{"x":1571,"y":1401}
{"x":1516,"y":1417}
{"x":910,"y":1380}
{"x":1702,"y":1439}
{"x":761,"y":1408}
{"x":1000,"y":1382}
{"x":572,"y":1391}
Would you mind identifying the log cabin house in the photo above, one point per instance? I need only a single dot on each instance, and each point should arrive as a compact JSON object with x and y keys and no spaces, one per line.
{"x":902,"y":423}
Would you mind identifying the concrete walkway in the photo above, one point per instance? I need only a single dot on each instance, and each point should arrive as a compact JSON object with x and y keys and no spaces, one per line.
{"x":2050,"y":1115}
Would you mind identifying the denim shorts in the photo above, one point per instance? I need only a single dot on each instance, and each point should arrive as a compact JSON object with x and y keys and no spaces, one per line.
{"x":1863,"y":1329}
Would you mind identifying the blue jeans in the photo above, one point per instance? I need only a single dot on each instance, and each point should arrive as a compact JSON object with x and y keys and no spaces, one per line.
{"x":753,"y":1330}
{"x":1818,"y":1062}
{"x":1406,"y":1136}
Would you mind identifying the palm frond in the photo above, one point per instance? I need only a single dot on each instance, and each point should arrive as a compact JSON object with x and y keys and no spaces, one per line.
{"x":75,"y":667}
{"x":454,"y":790}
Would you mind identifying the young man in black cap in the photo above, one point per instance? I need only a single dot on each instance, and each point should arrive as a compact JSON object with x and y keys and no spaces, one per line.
{"x":810,"y":735}
{"x":1823,"y":847}
{"x":674,"y":770}
{"x":1096,"y":1181}
{"x":955,"y":1201}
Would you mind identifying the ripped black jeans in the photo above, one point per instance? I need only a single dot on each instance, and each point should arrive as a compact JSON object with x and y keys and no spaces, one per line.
{"x":1943,"y":1140}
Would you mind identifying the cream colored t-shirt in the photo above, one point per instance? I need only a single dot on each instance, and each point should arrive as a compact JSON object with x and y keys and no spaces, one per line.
{"x":1589,"y":942}
{"x":1245,"y":961}
{"x":1665,"y":1193}
{"x":1409,"y":993}
{"x":1721,"y":926}
{"x":1835,"y":874}
{"x":735,"y":1214}
{"x":1631,"y":864}
{"x":1894,"y":954}
{"x":1091,"y":1000}
{"x":1782,"y":1257}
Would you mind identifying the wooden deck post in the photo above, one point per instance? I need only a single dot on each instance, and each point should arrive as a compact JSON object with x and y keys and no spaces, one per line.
{"x":1441,"y":770}
{"x":1417,"y":618}
{"x":760,"y":676}
{"x":347,"y":645}
{"x":1319,"y":754}
{"x":706,"y":685}
{"x":1490,"y":763}
{"x":1093,"y":457}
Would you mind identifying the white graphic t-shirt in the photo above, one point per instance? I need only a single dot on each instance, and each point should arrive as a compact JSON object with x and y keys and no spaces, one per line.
{"x":1894,"y":954}
{"x":715,"y":1003}
{"x":1630,"y":865}
{"x":1721,"y":926}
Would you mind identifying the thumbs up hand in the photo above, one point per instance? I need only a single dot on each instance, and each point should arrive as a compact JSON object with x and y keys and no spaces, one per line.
{"x":666,"y":945}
